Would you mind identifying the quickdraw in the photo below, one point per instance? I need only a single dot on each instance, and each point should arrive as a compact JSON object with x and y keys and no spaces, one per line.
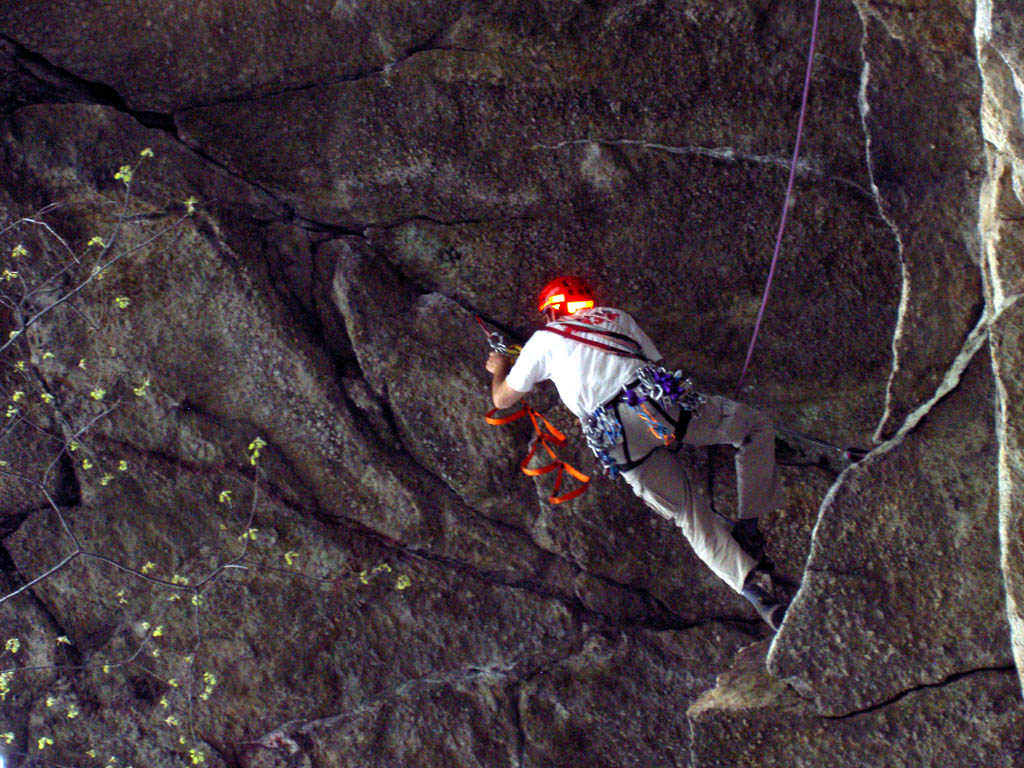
{"x":497,"y":342}
{"x":664,"y":387}
{"x":603,"y":430}
{"x":547,"y":437}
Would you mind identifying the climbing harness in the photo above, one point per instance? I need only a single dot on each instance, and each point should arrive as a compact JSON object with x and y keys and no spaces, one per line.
{"x":666,"y":388}
{"x":654,"y":388}
{"x":652,"y":397}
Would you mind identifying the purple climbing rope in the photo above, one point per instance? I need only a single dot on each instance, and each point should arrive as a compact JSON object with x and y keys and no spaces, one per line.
{"x":786,"y":200}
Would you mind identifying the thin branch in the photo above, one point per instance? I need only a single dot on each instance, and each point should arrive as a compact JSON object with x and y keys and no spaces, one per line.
{"x":59,"y":273}
{"x":40,"y":578}
{"x":23,"y":478}
{"x":59,"y":239}
{"x":40,"y":429}
{"x":41,"y":212}
{"x":81,"y":314}
{"x":154,"y":580}
{"x":35,"y":759}
{"x":9,"y":303}
{"x":98,"y":270}
{"x":328,"y":579}
{"x":76,"y":435}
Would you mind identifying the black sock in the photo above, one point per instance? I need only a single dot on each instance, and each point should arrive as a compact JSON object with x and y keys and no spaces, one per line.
{"x":749,"y":537}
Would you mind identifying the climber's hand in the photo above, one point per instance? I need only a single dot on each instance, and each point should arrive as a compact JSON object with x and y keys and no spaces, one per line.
{"x":502,"y":394}
{"x":498,"y":364}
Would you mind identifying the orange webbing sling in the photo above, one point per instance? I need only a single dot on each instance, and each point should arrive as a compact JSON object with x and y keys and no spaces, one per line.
{"x":547,"y":437}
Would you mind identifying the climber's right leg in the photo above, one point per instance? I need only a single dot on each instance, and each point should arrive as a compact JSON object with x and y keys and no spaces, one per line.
{"x":663,"y":481}
{"x":721,"y":421}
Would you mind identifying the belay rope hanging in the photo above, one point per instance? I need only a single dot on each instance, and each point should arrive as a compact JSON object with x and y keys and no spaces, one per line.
{"x":547,"y":436}
{"x":787,"y":200}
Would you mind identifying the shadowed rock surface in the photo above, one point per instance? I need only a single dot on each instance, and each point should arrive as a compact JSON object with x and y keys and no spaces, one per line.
{"x":752,"y":719}
{"x":373,"y":582}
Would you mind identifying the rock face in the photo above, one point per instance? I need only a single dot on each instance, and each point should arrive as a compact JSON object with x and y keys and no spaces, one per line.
{"x":871,"y":578}
{"x":752,"y":719}
{"x":251,"y":513}
{"x":926,"y":161}
{"x":1002,"y":217}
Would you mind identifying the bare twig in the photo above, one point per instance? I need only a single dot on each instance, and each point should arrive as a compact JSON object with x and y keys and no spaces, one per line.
{"x":42,"y":577}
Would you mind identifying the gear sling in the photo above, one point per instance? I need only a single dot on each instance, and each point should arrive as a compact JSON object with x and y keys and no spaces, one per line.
{"x":547,"y":437}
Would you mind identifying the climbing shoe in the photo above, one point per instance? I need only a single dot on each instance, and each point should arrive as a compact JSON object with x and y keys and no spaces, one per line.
{"x":767,"y":597}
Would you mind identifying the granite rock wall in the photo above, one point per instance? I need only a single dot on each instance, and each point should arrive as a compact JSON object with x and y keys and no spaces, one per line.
{"x":331,"y":192}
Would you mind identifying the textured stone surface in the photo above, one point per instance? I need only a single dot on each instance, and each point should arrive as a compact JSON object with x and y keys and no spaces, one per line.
{"x":618,"y":702}
{"x":920,"y":100}
{"x":433,"y":390}
{"x":394,"y":330}
{"x":1002,"y":225}
{"x":904,"y":571}
{"x":477,"y":171}
{"x":25,"y":618}
{"x":462,"y":721}
{"x":368,"y":177}
{"x":23,"y":489}
{"x":348,"y":638}
{"x":1007,"y":350}
{"x":216,"y":386}
{"x":612,"y":701}
{"x":161,"y":57}
{"x":751,"y":720}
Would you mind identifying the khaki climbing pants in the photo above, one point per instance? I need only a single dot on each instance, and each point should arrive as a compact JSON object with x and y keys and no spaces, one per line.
{"x":666,"y":484}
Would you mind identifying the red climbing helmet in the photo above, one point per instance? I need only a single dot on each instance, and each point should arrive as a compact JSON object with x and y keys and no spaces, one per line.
{"x":565,"y":295}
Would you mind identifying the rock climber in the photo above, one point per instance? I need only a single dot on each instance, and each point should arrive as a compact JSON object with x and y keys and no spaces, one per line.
{"x":636,"y":415}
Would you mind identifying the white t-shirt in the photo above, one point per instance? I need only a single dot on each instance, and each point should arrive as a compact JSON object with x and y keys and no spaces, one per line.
{"x":584,"y":376}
